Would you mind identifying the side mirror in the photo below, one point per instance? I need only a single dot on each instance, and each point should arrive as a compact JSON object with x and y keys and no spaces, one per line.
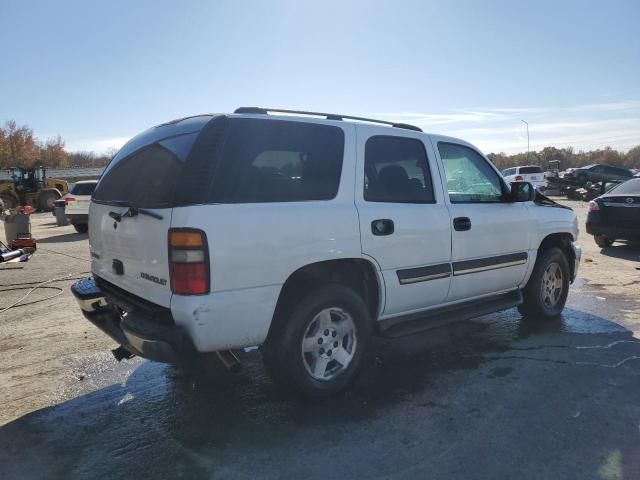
{"x":522,"y":192}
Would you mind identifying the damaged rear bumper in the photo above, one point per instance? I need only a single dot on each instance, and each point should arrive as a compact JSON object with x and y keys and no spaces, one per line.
{"x":134,"y":330}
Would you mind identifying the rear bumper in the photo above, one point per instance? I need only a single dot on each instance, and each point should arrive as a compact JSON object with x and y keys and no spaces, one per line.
{"x":133,"y":330}
{"x":614,"y":232}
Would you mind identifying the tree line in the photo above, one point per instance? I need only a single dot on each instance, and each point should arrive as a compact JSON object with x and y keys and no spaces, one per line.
{"x":569,"y":158}
{"x":20,"y":147}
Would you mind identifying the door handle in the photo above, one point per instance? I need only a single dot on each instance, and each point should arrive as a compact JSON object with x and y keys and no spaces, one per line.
{"x":382,"y":226}
{"x":462,"y":224}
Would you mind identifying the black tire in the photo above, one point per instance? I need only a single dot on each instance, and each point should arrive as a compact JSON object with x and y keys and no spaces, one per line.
{"x":602,"y":241}
{"x":537,"y":303}
{"x":283,"y":351}
{"x":9,"y":201}
{"x":46,"y":201}
{"x":81,"y":227}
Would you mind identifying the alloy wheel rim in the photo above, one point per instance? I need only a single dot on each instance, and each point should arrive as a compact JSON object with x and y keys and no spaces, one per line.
{"x":552,"y":284}
{"x":329,"y":344}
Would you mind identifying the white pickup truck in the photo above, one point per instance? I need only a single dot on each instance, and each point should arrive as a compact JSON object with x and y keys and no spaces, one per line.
{"x":307,"y":233}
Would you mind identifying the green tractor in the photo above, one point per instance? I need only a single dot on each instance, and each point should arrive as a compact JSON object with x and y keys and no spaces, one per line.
{"x":30,"y":186}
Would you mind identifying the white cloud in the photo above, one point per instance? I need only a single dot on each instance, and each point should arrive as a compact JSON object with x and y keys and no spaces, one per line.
{"x":585,"y":127}
{"x":97,"y":145}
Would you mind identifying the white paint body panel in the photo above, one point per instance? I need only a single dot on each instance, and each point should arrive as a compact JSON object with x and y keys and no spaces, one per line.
{"x":422,"y":235}
{"x":139,"y":242}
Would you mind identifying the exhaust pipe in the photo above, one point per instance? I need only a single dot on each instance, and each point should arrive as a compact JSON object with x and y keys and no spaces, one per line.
{"x":5,"y":257}
{"x":230,"y":360}
{"x":122,"y":353}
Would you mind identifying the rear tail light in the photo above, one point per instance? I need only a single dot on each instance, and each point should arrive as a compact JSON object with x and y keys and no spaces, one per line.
{"x":188,"y":261}
{"x":519,"y":178}
{"x":593,"y":206}
{"x":69,"y":200}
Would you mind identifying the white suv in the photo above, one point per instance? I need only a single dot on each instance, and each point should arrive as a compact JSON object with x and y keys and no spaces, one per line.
{"x":528,"y":173}
{"x":307,"y":235}
{"x":76,"y":204}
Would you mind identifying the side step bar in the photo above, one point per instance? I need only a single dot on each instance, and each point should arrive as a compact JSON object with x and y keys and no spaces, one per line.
{"x":439,"y":317}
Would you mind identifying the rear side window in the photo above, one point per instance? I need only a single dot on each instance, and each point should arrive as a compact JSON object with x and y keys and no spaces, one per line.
{"x":508,"y":172}
{"x":146,"y":178}
{"x":83,"y":188}
{"x":396,"y":170}
{"x":529,"y":170}
{"x":618,"y":171}
{"x":278,"y":161}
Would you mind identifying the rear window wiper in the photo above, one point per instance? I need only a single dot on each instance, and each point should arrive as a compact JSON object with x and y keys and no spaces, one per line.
{"x":132,"y":211}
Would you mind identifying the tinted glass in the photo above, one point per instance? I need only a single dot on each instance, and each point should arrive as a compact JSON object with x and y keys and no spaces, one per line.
{"x":470,"y":178}
{"x":618,"y":171}
{"x":529,"y":170}
{"x":278,"y":161}
{"x":630,"y":187}
{"x":83,"y":188}
{"x":396,"y":170}
{"x":146,"y":178}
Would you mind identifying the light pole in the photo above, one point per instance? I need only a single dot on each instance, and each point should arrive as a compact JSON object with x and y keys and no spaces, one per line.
{"x":527,"y":124}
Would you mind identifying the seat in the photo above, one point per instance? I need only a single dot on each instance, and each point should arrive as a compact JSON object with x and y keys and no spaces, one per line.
{"x":393,"y":183}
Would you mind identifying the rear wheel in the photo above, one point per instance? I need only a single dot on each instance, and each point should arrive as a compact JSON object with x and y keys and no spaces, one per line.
{"x":9,"y":201}
{"x":81,"y":227}
{"x":319,"y":347}
{"x":46,"y":201}
{"x":602,"y":241}
{"x":548,"y":287}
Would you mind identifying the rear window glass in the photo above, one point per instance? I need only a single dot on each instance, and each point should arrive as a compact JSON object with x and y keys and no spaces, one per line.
{"x":525,"y":170}
{"x":83,"y":188}
{"x":147,"y":177}
{"x":630,"y":187}
{"x":278,"y":161}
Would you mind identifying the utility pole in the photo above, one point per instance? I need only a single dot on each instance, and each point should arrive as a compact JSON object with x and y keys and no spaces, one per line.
{"x":527,"y":138}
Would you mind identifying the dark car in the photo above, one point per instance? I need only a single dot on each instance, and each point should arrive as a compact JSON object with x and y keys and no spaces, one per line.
{"x":597,"y":173}
{"x":616,"y":214}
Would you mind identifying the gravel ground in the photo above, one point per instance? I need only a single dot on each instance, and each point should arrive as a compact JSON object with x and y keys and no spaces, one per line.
{"x":502,"y":399}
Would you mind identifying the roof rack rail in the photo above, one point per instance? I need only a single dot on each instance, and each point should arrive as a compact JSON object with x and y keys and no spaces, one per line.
{"x":328,"y":116}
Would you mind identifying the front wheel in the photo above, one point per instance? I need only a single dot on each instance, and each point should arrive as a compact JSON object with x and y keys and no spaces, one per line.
{"x":319,"y":347}
{"x":603,"y":242}
{"x":548,"y":287}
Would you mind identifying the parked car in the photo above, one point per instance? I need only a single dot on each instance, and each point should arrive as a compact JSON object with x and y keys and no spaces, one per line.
{"x":307,"y":234}
{"x":597,"y":173}
{"x":529,"y":173}
{"x":77,"y":202}
{"x":616,"y":214}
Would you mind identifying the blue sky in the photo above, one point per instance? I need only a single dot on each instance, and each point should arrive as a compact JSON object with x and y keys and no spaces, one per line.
{"x":99,"y":72}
